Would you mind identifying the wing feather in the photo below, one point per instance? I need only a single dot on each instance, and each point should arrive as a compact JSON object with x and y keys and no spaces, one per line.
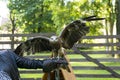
{"x":72,"y":33}
{"x":36,"y":44}
{"x":75,"y":31}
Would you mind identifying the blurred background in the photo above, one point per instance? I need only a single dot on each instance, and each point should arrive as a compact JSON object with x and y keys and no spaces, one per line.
{"x":22,"y":19}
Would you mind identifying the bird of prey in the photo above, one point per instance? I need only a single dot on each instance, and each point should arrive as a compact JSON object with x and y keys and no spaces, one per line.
{"x":73,"y":32}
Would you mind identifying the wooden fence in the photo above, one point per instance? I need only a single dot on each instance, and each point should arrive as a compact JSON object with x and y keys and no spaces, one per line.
{"x":5,"y":39}
{"x":88,"y":55}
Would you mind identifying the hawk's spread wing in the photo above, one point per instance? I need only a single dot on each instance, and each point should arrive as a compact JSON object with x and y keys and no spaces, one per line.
{"x":33,"y":45}
{"x":75,"y":31}
{"x":72,"y":33}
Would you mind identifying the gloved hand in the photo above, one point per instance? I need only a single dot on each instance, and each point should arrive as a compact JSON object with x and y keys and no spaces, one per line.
{"x":53,"y":63}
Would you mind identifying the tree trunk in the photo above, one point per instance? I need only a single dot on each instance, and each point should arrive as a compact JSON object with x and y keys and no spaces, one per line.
{"x":12,"y":19}
{"x":118,"y":24}
{"x":107,"y":40}
{"x":111,"y":22}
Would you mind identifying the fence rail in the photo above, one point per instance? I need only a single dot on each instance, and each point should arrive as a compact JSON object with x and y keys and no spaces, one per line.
{"x":72,"y":52}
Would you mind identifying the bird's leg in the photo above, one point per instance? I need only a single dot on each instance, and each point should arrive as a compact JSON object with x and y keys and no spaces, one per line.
{"x":62,"y":54}
{"x":57,"y":71}
{"x":55,"y":55}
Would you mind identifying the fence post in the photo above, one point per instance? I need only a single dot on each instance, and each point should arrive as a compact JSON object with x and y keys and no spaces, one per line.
{"x":12,"y":42}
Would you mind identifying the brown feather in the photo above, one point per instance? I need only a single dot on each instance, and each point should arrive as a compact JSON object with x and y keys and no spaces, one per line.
{"x":34,"y":45}
{"x":72,"y":33}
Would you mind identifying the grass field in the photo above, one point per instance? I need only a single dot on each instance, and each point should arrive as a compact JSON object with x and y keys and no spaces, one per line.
{"x":84,"y":71}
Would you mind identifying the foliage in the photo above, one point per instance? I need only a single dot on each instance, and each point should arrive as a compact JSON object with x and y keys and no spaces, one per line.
{"x":6,"y":26}
{"x":52,"y":15}
{"x":32,"y":15}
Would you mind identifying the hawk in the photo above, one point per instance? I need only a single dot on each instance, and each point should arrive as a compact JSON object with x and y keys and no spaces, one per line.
{"x":73,"y":32}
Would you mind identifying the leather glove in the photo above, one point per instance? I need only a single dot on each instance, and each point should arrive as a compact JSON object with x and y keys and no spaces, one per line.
{"x":53,"y":63}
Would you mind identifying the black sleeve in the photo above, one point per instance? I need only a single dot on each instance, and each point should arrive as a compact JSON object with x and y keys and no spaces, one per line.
{"x":23,"y":62}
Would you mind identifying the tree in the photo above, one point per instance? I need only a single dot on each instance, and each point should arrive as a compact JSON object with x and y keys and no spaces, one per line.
{"x":52,"y":15}
{"x":65,"y":12}
{"x":33,"y":15}
{"x":118,"y":24}
{"x":12,"y":19}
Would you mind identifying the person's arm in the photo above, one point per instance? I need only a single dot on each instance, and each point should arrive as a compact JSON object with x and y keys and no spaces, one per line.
{"x":47,"y":64}
{"x":23,"y":62}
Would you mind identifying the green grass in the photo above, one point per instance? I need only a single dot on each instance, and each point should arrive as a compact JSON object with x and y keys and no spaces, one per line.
{"x":91,"y":72}
{"x":83,"y":64}
{"x":31,"y":75}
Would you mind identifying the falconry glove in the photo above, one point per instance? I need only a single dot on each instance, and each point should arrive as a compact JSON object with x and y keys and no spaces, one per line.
{"x":53,"y":63}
